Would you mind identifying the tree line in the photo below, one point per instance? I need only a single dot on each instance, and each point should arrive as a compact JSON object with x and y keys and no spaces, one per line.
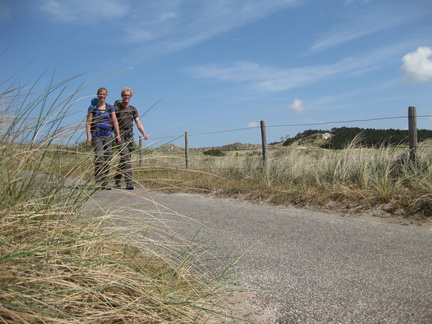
{"x":341,"y":137}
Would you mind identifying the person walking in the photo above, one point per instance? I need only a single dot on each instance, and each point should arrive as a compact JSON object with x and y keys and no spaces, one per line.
{"x":126,"y":115}
{"x":101,"y":118}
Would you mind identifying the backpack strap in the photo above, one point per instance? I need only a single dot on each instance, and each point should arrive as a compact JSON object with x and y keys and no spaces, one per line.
{"x":109,"y":109}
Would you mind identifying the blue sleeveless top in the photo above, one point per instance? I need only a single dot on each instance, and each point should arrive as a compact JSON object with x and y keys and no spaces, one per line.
{"x":101,"y":124}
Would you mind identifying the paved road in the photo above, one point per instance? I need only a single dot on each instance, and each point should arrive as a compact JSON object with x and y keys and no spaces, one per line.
{"x":312,"y":267}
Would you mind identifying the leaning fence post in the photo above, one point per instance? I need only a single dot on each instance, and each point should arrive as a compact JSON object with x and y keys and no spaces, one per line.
{"x":412,"y":129}
{"x":264,"y":141}
{"x":187,"y":149}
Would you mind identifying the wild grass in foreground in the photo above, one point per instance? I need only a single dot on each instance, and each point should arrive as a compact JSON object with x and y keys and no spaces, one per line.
{"x":353,"y":179}
{"x":63,"y":263}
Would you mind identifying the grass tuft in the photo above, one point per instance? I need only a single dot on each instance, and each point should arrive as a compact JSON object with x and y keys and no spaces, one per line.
{"x":64,"y":262}
{"x":355,"y":178}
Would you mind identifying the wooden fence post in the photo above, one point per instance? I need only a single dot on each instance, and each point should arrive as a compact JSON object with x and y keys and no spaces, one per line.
{"x":187,"y":149}
{"x":412,"y":129}
{"x":264,"y":141}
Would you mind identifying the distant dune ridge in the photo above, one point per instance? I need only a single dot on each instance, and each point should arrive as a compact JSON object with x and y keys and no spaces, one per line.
{"x":171,"y":148}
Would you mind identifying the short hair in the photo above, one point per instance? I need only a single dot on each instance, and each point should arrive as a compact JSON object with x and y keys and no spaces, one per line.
{"x":126,"y":89}
{"x":102,"y":89}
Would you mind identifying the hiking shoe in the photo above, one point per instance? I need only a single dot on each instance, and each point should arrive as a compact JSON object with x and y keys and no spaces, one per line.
{"x":129,"y":186}
{"x":117,"y":185}
{"x":105,"y":188}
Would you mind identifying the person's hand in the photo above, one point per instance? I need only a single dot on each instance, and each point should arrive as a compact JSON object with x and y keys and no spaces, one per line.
{"x":145,"y":136}
{"x":89,"y":142}
{"x":118,"y":139}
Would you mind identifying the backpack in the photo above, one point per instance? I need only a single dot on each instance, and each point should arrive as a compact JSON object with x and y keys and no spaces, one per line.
{"x":99,"y":121}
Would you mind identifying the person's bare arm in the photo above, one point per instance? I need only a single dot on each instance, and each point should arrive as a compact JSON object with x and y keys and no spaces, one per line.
{"x":141,"y":128}
{"x":88,"y":128}
{"x":116,"y":126}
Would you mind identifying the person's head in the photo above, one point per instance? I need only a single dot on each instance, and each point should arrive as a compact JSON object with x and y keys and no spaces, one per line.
{"x":102,"y":93}
{"x":126,"y":91}
{"x":126,"y":94}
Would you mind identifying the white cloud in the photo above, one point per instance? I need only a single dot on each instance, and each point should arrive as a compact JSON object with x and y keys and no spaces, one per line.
{"x":264,"y":78}
{"x":84,"y":12}
{"x":4,"y":13}
{"x":192,"y":22}
{"x":164,"y":26}
{"x":272,"y":79}
{"x":297,"y":106}
{"x":252,"y":124}
{"x":366,"y":23}
{"x":350,"y":2}
{"x":417,"y":66}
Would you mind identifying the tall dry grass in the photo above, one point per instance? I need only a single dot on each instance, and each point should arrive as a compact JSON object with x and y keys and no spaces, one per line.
{"x":354,"y":178}
{"x":64,"y":260}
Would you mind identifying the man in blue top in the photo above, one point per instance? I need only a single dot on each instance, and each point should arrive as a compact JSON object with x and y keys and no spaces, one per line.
{"x":100,"y":119}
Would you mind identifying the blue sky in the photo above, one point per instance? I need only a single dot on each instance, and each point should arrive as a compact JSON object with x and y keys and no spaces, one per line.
{"x":217,"y":68}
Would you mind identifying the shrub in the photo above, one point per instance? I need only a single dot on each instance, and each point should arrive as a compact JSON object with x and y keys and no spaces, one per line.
{"x":214,"y":152}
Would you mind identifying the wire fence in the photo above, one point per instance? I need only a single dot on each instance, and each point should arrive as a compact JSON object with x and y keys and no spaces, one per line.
{"x":176,"y":137}
{"x":412,"y":131}
{"x":170,"y":139}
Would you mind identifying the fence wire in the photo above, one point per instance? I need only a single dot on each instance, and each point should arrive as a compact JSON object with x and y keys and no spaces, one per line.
{"x":292,"y":125}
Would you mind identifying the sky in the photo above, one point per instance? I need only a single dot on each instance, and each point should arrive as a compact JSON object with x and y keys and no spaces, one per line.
{"x":217,"y":68}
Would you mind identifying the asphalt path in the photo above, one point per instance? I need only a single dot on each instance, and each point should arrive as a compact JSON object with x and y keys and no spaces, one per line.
{"x":306,"y":266}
